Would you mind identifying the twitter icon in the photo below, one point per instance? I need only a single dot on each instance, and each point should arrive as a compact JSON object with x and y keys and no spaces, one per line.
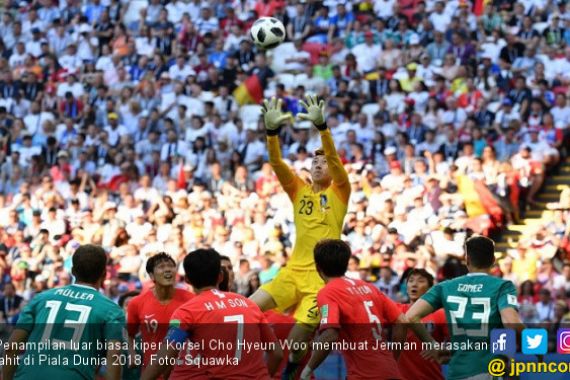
{"x":534,"y":341}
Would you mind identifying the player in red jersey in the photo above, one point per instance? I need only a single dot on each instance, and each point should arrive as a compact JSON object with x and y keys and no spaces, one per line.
{"x":353,"y":313}
{"x":207,"y":335}
{"x":412,"y":365}
{"x":150,"y":311}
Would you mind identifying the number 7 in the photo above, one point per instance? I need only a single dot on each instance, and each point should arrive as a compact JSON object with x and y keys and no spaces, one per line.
{"x":239,"y":336}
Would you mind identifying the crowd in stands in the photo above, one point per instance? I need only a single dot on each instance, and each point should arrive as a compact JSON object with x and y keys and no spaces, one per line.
{"x":118,"y":127}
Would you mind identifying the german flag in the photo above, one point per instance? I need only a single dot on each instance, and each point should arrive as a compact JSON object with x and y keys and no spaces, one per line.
{"x":479,"y":7}
{"x":250,"y":91}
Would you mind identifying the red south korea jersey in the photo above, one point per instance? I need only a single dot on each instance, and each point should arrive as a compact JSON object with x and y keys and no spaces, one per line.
{"x":225,"y":337}
{"x":147,"y":315}
{"x":412,"y":365}
{"x":359,"y":310}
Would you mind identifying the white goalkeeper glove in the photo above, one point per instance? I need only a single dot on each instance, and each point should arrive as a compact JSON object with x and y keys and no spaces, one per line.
{"x":315,"y":111}
{"x":272,"y":115}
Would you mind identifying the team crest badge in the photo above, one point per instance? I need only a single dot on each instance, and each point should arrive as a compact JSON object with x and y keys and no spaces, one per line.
{"x":325,"y":311}
{"x":324,"y":200}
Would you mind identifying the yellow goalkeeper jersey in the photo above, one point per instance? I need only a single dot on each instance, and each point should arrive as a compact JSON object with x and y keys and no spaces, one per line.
{"x":317,"y":215}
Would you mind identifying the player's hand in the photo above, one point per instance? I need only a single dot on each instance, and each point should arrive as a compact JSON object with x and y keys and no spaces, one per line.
{"x":315,"y":110}
{"x":306,"y":374}
{"x":439,"y":356}
{"x":272,"y":115}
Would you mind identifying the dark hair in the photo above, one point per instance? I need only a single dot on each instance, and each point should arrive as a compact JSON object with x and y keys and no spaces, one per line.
{"x":524,"y":285}
{"x":202,"y":267}
{"x":331,"y":257}
{"x":225,"y":284}
{"x":422,"y":273}
{"x":481,"y":251}
{"x":157,"y":259}
{"x":123,"y":298}
{"x":89,"y":263}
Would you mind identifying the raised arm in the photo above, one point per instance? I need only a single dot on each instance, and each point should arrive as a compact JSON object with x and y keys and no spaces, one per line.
{"x":273,"y":119}
{"x":315,"y":114}
{"x":336,"y":168}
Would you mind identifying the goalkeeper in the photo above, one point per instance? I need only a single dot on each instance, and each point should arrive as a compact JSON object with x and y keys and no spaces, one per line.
{"x":319,"y":210}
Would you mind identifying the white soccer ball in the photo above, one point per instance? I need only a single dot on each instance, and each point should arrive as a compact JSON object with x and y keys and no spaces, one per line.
{"x":267,"y":32}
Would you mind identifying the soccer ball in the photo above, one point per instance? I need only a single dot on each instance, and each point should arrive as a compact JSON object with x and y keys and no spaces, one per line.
{"x":267,"y":32}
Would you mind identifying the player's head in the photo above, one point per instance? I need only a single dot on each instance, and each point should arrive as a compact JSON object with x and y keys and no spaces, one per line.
{"x":331,"y":258}
{"x":162,"y":269}
{"x":203,"y":268}
{"x":227,"y":283}
{"x":126,"y":298}
{"x":479,"y":252}
{"x":320,"y":168}
{"x":89,"y":264}
{"x":418,"y":282}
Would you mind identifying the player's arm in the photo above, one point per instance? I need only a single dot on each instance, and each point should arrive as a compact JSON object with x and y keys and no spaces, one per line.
{"x":160,"y":366}
{"x":322,"y":349}
{"x":133,"y":326}
{"x":399,"y":332}
{"x":508,"y":307}
{"x":511,"y":319}
{"x":177,"y":335}
{"x":114,"y":336}
{"x":316,"y":114}
{"x":329,"y":332}
{"x":420,"y":309}
{"x":18,"y":338}
{"x":114,"y":368}
{"x":275,"y":354}
{"x":392,"y":313}
{"x":273,"y":119}
{"x":427,"y":304}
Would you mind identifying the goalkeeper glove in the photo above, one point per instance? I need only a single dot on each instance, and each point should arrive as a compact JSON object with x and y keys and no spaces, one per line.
{"x":315,"y":112}
{"x":272,"y":116}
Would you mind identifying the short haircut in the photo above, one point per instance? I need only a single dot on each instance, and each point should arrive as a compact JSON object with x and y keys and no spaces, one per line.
{"x":331,"y":257}
{"x":202,"y":268}
{"x":225,"y":284}
{"x":157,"y":259}
{"x":123,"y":298}
{"x":89,"y":263}
{"x":319,"y":152}
{"x":422,"y":273}
{"x":481,"y":251}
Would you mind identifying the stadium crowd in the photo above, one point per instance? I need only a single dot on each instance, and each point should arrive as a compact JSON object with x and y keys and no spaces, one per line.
{"x":118,"y":127}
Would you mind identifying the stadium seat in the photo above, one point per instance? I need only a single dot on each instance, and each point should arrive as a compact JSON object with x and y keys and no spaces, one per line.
{"x":195,"y":106}
{"x":287,"y":80}
{"x":250,"y":113}
{"x":300,"y":79}
{"x":370,"y":110}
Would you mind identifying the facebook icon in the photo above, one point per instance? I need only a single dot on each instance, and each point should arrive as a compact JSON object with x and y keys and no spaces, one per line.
{"x":503,"y":341}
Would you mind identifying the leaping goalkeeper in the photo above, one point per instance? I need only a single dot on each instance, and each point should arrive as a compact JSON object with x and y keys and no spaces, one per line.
{"x":319,"y":211}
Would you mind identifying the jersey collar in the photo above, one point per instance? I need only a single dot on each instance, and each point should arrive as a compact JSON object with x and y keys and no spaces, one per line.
{"x":477,"y":274}
{"x":84,"y":286}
